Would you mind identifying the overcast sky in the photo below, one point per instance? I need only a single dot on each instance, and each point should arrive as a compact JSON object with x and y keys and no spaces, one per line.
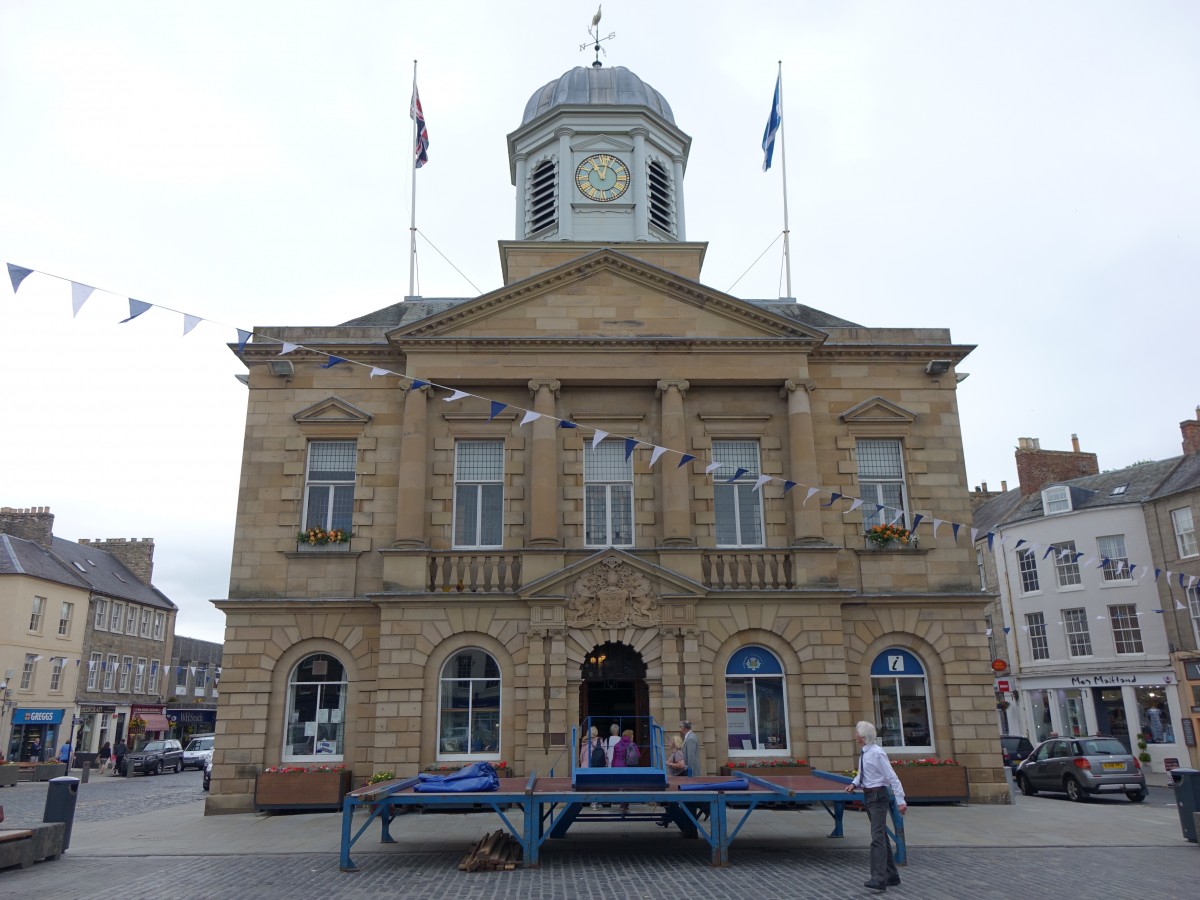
{"x":1023,"y":173}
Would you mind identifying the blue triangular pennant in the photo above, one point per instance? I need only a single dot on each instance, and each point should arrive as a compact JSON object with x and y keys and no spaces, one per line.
{"x":17,"y":274}
{"x":954,"y":526}
{"x":243,"y":337}
{"x":630,"y":443}
{"x":736,"y":475}
{"x":787,"y":486}
{"x":916,"y":521}
{"x":136,"y":308}
{"x":684,"y":460}
{"x":418,"y":384}
{"x":565,"y":424}
{"x":833,"y":498}
{"x":991,"y":536}
{"x":497,"y":408}
{"x":332,"y":361}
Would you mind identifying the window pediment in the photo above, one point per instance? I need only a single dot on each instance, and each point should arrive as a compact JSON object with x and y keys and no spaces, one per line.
{"x":878,"y":410}
{"x":332,"y":417}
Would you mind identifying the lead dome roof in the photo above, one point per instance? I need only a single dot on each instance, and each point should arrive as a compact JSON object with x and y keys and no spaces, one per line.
{"x":592,"y":86}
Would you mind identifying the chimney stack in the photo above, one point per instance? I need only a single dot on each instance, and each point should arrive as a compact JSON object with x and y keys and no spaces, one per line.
{"x":1191,"y":434}
{"x":35,"y":524}
{"x":1037,"y":468}
{"x":137,"y":556}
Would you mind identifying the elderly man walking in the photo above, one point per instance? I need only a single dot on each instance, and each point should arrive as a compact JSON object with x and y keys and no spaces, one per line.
{"x":875,"y":776}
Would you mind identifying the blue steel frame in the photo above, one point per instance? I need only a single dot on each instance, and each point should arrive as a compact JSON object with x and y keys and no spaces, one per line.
{"x":549,"y":814}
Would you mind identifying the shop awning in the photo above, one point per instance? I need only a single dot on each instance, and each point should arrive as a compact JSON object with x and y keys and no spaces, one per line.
{"x":156,"y":722}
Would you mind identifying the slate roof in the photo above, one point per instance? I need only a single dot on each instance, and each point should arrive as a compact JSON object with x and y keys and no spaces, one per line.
{"x":1186,"y":477}
{"x":992,"y":512}
{"x":77,"y":566}
{"x":596,"y":86}
{"x":407,"y":312}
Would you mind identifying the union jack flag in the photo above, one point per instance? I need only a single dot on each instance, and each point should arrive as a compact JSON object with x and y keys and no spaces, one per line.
{"x":421,"y":151}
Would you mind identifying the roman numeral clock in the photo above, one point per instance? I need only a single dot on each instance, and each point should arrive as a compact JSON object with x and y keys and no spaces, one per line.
{"x":602,"y":178}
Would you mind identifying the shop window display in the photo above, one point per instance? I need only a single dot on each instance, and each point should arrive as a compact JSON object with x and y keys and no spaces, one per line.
{"x":316,"y":721}
{"x":900,"y":697}
{"x":756,"y":704}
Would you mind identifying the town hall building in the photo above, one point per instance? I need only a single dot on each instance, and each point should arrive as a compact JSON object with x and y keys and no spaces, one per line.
{"x":602,"y":490}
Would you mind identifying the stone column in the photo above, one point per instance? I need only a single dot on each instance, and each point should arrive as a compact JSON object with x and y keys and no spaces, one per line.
{"x":677,"y":519}
{"x":680,"y":219}
{"x":522,"y":166}
{"x":641,"y":195}
{"x":566,"y":182}
{"x":543,"y":470}
{"x":410,"y":509}
{"x":802,"y":461}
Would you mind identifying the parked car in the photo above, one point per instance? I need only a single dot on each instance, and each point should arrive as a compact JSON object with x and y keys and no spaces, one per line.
{"x":1015,"y":749}
{"x":208,"y":772}
{"x":198,"y":750}
{"x":152,"y":757}
{"x":1081,"y":767}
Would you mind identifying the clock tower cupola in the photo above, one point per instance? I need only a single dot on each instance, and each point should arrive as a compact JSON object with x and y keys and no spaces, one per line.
{"x":598,"y":157}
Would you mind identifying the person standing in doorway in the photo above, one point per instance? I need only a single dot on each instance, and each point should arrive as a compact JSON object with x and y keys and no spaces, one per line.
{"x":35,"y":751}
{"x":875,"y":776}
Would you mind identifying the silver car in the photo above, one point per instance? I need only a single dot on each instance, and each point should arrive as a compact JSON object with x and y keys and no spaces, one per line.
{"x":198,"y":751}
{"x":1082,"y":766}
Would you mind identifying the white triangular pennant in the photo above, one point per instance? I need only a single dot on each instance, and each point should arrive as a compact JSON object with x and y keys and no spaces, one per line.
{"x":855,"y":505}
{"x":937,"y":523}
{"x":288,"y":348}
{"x":597,"y":438}
{"x":711,"y":467}
{"x":190,"y":322}
{"x":457,"y":395}
{"x":376,"y":371}
{"x":808,"y":496}
{"x":760,"y":481}
{"x":655,"y":454}
{"x":79,"y":295}
{"x":530,"y":416}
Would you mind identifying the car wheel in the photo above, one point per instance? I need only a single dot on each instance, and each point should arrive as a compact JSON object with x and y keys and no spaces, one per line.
{"x":1026,"y":785}
{"x":178,"y":766}
{"x":1136,"y":796}
{"x":1075,"y":791}
{"x":157,"y":768}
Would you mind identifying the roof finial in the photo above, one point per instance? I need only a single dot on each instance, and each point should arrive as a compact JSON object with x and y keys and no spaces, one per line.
{"x":594,"y":32}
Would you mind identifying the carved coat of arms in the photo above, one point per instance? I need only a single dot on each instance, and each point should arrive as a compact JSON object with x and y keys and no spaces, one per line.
{"x":612,"y":595}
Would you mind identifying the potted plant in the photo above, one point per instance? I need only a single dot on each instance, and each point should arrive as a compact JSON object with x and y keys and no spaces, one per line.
{"x":765,"y":768}
{"x":322,"y":539}
{"x":932,"y":780}
{"x":301,"y":787}
{"x":1143,"y":754}
{"x":880,"y":537}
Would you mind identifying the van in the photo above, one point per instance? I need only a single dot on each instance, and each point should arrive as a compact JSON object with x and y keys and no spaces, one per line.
{"x":198,"y":751}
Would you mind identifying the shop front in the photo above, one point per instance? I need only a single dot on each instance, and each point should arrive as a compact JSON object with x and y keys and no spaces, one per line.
{"x":95,"y":728}
{"x":147,"y":723}
{"x":186,"y":722}
{"x":34,"y":734}
{"x":1133,"y":707}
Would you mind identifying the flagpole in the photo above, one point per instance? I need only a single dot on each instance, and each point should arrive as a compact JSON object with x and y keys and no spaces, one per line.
{"x":412,"y":228}
{"x":787,"y":245}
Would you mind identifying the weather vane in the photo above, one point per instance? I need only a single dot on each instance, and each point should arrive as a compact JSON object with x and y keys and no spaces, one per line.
{"x":594,"y":31}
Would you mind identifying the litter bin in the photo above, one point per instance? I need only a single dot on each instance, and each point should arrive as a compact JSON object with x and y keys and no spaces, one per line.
{"x":1187,"y":798}
{"x":61,"y":794}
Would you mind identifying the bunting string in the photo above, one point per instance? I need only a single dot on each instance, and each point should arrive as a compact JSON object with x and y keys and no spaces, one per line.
{"x":80,"y":293}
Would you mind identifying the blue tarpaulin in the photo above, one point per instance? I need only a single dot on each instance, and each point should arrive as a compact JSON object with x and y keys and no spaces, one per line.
{"x":469,"y":779}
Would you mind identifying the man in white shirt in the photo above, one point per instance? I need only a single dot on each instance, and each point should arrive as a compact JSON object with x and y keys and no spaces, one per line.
{"x":610,"y":743}
{"x":875,"y":776}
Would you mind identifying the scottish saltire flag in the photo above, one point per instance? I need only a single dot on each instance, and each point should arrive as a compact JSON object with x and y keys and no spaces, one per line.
{"x":421,"y":151}
{"x":773,"y":123}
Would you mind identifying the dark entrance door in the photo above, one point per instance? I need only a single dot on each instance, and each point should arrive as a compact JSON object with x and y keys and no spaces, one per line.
{"x":613,"y":691}
{"x":1110,"y":715}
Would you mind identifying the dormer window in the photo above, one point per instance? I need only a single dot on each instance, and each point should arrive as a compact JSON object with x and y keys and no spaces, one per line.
{"x":1056,"y":500}
{"x":1119,"y":490}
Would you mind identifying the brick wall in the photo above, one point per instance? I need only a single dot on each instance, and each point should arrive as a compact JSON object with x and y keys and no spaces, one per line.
{"x":137,"y":556}
{"x":1037,"y":468}
{"x":34,"y":524}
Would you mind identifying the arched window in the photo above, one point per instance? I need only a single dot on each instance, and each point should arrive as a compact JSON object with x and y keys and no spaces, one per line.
{"x":900,"y":694}
{"x":543,"y":197}
{"x":316,"y":713}
{"x":661,"y":214}
{"x":756,"y":704}
{"x":469,"y":707}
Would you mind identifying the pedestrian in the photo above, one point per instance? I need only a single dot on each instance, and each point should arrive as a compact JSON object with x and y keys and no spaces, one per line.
{"x":589,"y":745}
{"x":610,"y":742}
{"x":64,"y":754}
{"x":119,"y":752}
{"x":875,"y":776}
{"x":676,"y":765}
{"x":105,"y":756}
{"x":35,"y":751}
{"x":691,"y":748}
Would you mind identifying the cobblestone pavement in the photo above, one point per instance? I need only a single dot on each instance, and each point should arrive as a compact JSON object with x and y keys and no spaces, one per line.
{"x":104,"y":797}
{"x":582,"y":873}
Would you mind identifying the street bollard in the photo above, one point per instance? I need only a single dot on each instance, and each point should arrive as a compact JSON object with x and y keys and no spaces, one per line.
{"x":83,"y":777}
{"x":61,"y":794}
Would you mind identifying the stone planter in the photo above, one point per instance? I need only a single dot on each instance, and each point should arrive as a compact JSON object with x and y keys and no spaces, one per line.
{"x":765,"y":771}
{"x":8,"y":776}
{"x":46,"y":771}
{"x":934,"y":784}
{"x":301,"y":790}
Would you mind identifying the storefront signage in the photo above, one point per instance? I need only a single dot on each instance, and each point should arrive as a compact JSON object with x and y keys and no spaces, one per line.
{"x":1189,"y":732}
{"x":192,"y":716}
{"x":1002,"y":685}
{"x":37,"y":716}
{"x":92,"y":710}
{"x":1104,"y":680}
{"x":999,"y":665}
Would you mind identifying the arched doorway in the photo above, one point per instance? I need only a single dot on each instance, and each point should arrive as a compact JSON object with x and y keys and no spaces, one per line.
{"x":613,"y":691}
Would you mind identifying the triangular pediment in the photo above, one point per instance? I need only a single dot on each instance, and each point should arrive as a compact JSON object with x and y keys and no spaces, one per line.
{"x":879,"y":409}
{"x":601,"y":143}
{"x":607,"y":295}
{"x":615,"y":565}
{"x":332,"y":411}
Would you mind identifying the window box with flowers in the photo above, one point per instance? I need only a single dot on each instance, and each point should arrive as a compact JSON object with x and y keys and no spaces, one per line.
{"x":932,"y":780}
{"x":320,"y":540}
{"x":301,"y":787}
{"x":890,"y":537}
{"x":765,"y":768}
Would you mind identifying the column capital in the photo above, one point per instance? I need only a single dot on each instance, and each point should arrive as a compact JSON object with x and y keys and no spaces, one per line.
{"x":640,"y":131}
{"x":551,"y":384}
{"x":426,"y":389}
{"x":795,"y":384}
{"x":564,"y":131}
{"x":680,"y":384}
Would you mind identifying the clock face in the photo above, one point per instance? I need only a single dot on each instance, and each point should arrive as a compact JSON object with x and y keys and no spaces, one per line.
{"x":602,"y":178}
